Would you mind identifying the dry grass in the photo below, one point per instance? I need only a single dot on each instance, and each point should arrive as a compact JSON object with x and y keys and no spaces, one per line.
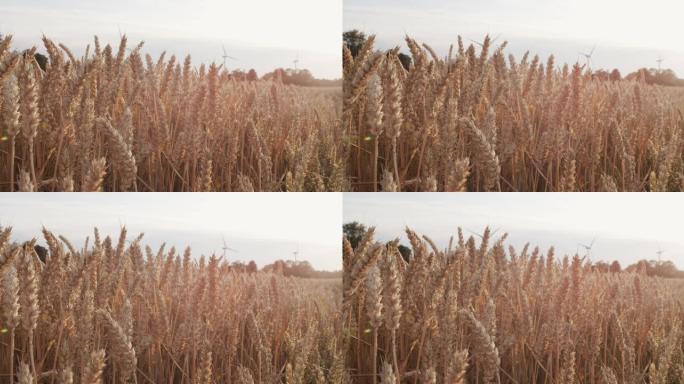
{"x":478,"y":313}
{"x":116,"y":120}
{"x":480,"y":121}
{"x":115,"y":312}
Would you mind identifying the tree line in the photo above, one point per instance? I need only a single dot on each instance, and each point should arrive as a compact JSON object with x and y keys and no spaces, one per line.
{"x":355,"y":39}
{"x":354,"y":232}
{"x":301,"y":77}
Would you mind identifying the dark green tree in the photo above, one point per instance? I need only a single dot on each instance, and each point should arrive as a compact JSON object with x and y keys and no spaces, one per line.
{"x":42,"y":252}
{"x":354,"y":232}
{"x":405,"y":61}
{"x":405,"y":252}
{"x":354,"y":40}
{"x":42,"y":60}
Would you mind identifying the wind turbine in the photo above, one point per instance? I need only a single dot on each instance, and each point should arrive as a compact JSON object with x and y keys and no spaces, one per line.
{"x":588,"y":247}
{"x":296,"y":61}
{"x":660,"y":63}
{"x":491,"y":233}
{"x":588,"y":56}
{"x":225,"y":56}
{"x":226,"y":248}
{"x":660,"y":254}
{"x":491,"y":41}
{"x":295,"y":253}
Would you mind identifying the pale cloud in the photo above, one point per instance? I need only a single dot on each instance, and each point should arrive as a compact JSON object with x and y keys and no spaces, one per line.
{"x":262,"y":226}
{"x":627,"y":227}
{"x":263,"y":34}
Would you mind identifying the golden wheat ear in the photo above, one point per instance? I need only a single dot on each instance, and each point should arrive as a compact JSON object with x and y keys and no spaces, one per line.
{"x":525,"y":124}
{"x":162,"y":125}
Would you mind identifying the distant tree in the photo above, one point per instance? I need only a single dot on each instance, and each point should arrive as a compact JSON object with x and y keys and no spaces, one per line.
{"x":238,"y":75}
{"x":656,"y":268}
{"x":601,"y":75}
{"x":300,"y":77}
{"x":601,"y":266}
{"x":354,"y":232}
{"x":644,"y":267}
{"x":238,"y":266}
{"x":304,"y":269}
{"x":642,"y":75}
{"x":666,"y":269}
{"x":354,"y":40}
{"x":42,"y":253}
{"x":279,"y":267}
{"x":42,"y":60}
{"x":665,"y":77}
{"x":251,"y":267}
{"x":615,"y":75}
{"x":252,"y":75}
{"x":277,"y":75}
{"x":298,"y":269}
{"x":615,"y":267}
{"x":405,"y":60}
{"x":405,"y":252}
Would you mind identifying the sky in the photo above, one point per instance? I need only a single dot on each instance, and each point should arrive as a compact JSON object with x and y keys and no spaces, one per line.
{"x":624,"y":226}
{"x":261,"y":34}
{"x":628,"y":34}
{"x":263,"y":227}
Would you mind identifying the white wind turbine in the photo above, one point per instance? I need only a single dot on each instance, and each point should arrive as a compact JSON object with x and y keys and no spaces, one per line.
{"x":660,"y":254}
{"x":296,"y":62}
{"x":226,"y":248}
{"x":225,"y":56}
{"x":588,"y":248}
{"x":491,"y":41}
{"x":588,"y":56}
{"x":296,"y":253}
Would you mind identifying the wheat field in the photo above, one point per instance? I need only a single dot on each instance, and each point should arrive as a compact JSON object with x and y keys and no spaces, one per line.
{"x":118,"y":120}
{"x":114,"y":311}
{"x":478,"y":120}
{"x":478,"y":312}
